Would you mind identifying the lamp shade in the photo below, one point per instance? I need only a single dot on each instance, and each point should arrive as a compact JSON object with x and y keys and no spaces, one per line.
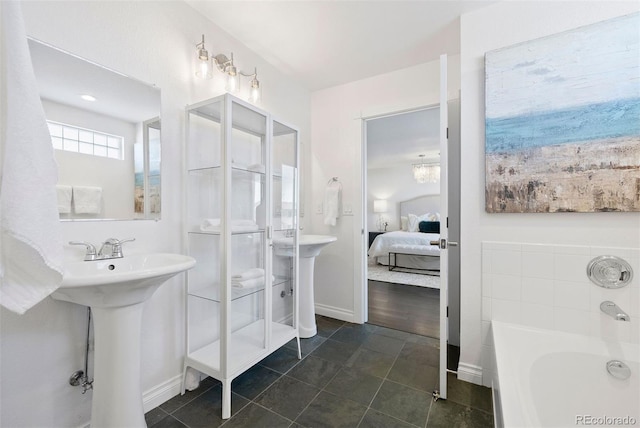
{"x":380,"y":206}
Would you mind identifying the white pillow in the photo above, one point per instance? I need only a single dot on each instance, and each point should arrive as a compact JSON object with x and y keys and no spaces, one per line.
{"x":434,"y":217}
{"x":414,"y":221}
{"x":404,"y":220}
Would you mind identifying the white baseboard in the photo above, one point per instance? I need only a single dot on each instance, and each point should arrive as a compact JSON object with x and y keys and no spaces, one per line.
{"x":470,"y":373}
{"x":333,"y":312}
{"x":158,"y":394}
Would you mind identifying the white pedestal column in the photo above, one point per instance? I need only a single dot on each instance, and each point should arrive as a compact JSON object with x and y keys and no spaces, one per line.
{"x":117,"y":393}
{"x":307,"y":317}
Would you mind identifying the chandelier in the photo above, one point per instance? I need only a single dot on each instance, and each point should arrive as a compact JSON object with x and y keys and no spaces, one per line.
{"x":426,"y":172}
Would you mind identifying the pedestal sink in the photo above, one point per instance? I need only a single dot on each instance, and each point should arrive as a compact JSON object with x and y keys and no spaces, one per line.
{"x":116,"y":290}
{"x":310,"y":247}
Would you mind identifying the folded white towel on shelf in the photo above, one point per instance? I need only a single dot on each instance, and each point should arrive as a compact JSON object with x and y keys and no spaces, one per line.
{"x":331,"y":203}
{"x":64,"y":198}
{"x":31,"y":251}
{"x":256,"y":282}
{"x":213,"y":225}
{"x":87,"y":199}
{"x":249,"y":283}
{"x":249,"y":274}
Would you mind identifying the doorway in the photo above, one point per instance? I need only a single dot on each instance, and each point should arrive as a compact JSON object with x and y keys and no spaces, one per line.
{"x":402,"y":182}
{"x":390,"y":297}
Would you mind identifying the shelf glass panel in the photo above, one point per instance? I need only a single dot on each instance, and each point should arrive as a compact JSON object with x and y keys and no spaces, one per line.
{"x":204,"y":136}
{"x":284,"y":193}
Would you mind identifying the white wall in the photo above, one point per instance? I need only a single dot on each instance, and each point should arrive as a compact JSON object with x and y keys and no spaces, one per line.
{"x":395,"y":184}
{"x":154,"y":42}
{"x":336,"y":151}
{"x":504,"y":24}
{"x":114,"y":176}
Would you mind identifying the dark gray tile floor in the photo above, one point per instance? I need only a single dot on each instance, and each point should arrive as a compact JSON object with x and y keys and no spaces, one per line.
{"x":350,"y":376}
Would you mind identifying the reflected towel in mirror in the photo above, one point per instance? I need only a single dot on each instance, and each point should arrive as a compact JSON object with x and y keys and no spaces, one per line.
{"x":64,"y":198}
{"x":87,"y":199}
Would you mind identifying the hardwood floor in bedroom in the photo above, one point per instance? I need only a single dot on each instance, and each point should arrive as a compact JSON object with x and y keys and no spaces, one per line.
{"x":405,"y":307}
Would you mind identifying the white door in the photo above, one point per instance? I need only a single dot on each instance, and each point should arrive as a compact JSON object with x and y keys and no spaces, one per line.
{"x":444,"y":259}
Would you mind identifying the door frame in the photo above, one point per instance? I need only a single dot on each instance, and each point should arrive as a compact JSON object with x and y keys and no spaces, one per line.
{"x":361,"y":236}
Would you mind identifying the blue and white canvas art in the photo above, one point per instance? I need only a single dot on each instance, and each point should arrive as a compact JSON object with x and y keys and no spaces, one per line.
{"x":562,"y":127}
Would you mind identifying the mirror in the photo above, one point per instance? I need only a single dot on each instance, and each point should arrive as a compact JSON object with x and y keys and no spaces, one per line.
{"x":105,"y":127}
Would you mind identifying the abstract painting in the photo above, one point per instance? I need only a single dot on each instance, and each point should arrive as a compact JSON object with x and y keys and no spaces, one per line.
{"x":562,"y":127}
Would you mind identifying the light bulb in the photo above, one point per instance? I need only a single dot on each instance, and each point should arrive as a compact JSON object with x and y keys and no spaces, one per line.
{"x":204,"y":71}
{"x":203,"y":68}
{"x":233,"y":83}
{"x":254,"y":94}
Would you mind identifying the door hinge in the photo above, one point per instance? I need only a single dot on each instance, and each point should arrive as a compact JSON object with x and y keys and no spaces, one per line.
{"x":447,"y":133}
{"x":447,"y":311}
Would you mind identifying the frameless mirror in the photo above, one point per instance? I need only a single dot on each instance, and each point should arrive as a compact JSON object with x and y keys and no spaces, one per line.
{"x":105,"y":128}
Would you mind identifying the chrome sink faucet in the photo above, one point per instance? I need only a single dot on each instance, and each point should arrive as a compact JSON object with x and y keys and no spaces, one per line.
{"x":112,"y":248}
{"x":614,"y":311}
{"x":91,"y":250}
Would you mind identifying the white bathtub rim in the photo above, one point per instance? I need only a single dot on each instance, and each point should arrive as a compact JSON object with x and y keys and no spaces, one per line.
{"x":517,"y":410}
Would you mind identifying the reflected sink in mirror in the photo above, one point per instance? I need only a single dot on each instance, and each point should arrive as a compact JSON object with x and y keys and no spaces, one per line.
{"x":310,"y":245}
{"x":119,"y":282}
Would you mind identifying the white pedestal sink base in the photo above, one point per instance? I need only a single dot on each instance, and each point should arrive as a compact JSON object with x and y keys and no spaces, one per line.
{"x":310,"y":247}
{"x":117,"y":393}
{"x":307,"y":319}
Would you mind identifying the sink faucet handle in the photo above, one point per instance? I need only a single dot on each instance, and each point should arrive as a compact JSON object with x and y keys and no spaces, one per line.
{"x":91,"y":250}
{"x":116,"y":249}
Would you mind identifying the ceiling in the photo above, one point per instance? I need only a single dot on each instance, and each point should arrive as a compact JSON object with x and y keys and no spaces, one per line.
{"x":327,"y":43}
{"x":63,"y":77}
{"x":400,"y":139}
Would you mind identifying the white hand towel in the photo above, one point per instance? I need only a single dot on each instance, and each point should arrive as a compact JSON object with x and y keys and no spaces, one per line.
{"x":64,"y":198}
{"x":249,"y":283}
{"x":30,"y":232}
{"x":331,"y":203}
{"x":87,"y":199}
{"x":249,"y":274}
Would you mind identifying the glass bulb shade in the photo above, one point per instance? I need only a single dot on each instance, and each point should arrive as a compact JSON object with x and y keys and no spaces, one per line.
{"x":233,"y":83}
{"x":380,"y":206}
{"x":254,"y":92}
{"x":203,"y":65}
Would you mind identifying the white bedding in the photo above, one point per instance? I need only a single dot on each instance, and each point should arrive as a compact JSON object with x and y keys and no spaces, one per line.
{"x":383,"y":242}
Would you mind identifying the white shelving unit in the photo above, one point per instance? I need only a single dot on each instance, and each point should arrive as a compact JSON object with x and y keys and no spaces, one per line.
{"x":242,"y":195}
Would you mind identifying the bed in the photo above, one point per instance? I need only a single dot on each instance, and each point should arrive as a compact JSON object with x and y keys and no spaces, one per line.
{"x":410,"y":250}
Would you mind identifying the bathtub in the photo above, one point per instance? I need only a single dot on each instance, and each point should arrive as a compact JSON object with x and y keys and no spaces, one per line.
{"x":546,"y":378}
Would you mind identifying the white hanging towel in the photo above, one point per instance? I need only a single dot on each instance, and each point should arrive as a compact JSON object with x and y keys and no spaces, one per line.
{"x":31,"y":250}
{"x":331,"y":203}
{"x":64,"y":198}
{"x":87,"y":199}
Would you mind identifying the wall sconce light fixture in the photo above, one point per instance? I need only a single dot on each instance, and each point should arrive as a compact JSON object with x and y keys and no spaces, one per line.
{"x":225,"y":65}
{"x":426,"y":172}
{"x":203,"y":67}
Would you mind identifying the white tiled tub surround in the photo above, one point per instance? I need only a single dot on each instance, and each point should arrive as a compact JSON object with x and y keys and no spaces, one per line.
{"x":546,"y":286}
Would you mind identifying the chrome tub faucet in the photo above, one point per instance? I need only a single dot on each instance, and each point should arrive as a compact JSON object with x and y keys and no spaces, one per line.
{"x":614,"y":311}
